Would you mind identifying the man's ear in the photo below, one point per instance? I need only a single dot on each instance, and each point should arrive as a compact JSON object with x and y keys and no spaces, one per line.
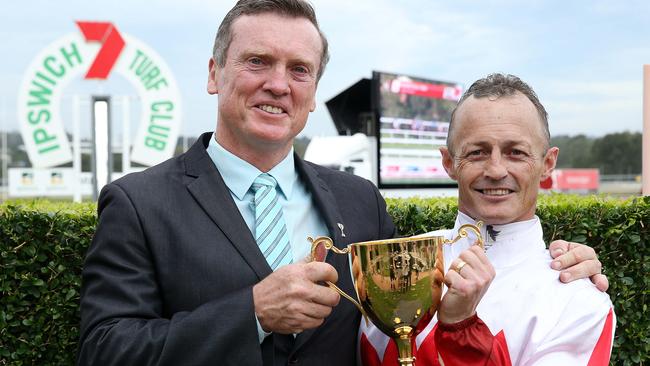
{"x":448,"y":162}
{"x":550,"y":159}
{"x":213,"y":70}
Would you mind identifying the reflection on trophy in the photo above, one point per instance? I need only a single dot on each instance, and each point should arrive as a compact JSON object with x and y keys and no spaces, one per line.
{"x":397,"y":281}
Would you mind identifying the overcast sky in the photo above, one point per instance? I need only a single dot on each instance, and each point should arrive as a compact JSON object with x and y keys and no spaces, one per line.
{"x":584,"y":58}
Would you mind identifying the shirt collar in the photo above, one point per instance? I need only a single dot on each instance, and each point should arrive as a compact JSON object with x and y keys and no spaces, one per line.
{"x":493,"y":233}
{"x":239,"y":174}
{"x":508,"y":244}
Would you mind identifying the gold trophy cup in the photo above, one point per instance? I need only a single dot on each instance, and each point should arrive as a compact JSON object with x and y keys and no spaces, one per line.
{"x":397,"y":281}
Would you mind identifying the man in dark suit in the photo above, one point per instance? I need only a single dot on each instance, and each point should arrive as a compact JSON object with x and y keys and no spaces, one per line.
{"x":179,"y":272}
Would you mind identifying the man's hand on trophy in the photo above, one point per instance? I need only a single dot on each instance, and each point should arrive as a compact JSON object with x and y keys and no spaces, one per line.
{"x":577,"y":261}
{"x":291,"y":299}
{"x":467,"y":280}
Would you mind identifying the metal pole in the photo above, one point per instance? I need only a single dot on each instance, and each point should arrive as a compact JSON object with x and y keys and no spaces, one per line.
{"x":126,"y":135}
{"x":645,"y":173}
{"x":76,"y":146}
{"x":102,"y":149}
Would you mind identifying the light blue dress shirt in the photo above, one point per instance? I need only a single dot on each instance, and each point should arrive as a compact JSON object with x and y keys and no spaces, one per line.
{"x":301,"y":215}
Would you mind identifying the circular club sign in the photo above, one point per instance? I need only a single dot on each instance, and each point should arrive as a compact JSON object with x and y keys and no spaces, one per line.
{"x":97,"y":50}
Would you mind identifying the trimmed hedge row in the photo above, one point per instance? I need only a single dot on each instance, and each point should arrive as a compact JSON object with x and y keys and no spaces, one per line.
{"x":42,"y":246}
{"x":41,"y":253}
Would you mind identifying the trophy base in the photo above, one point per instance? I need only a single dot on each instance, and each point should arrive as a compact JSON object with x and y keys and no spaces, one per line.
{"x":409,"y":361}
{"x":403,"y":341}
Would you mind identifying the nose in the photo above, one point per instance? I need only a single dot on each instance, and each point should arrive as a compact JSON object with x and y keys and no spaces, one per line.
{"x":495,"y":168}
{"x":277,"y":81}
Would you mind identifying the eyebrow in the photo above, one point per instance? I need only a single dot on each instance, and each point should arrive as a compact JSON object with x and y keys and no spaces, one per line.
{"x":265,"y":53}
{"x":506,"y":143}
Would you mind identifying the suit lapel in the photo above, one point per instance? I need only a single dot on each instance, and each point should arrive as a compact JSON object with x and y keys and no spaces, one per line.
{"x":212,"y":194}
{"x":324,"y":199}
{"x":326,"y":202}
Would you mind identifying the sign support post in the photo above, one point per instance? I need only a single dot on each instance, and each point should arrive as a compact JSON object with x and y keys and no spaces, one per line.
{"x":76,"y":146}
{"x":126,"y":135}
{"x":102,"y":151}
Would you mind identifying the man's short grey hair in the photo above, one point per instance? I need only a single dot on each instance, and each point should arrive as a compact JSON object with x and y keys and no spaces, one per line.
{"x":287,"y":8}
{"x":500,"y":85}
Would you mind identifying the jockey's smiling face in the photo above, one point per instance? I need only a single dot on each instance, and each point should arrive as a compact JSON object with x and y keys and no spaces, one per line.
{"x":499,"y":158}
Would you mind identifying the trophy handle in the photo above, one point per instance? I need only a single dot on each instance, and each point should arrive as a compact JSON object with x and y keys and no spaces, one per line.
{"x":329,"y":245}
{"x":462,"y":233}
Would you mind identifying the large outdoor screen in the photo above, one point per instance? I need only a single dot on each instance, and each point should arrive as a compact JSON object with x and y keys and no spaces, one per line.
{"x":413,"y":120}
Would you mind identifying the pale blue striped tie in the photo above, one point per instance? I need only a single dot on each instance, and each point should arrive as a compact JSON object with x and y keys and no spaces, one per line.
{"x":270,"y":229}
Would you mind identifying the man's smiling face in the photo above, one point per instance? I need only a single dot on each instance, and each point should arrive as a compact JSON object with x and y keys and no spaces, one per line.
{"x":499,"y":158}
{"x":267,"y":86}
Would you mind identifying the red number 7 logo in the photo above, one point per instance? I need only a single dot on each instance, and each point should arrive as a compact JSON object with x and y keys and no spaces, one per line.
{"x":112,"y":45}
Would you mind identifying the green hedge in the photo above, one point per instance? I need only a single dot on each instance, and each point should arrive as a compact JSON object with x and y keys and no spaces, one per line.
{"x":41,"y":253}
{"x":42,"y":246}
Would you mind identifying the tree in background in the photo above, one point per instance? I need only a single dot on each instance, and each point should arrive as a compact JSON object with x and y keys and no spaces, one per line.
{"x":614,"y":153}
{"x":618,"y":153}
{"x":575,"y":151}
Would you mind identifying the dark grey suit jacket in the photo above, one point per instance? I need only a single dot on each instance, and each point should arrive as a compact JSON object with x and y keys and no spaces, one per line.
{"x":168,"y":278}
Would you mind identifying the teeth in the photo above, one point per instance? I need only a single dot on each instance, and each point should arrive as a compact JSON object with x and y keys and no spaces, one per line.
{"x":496,"y":192}
{"x":271,"y":109}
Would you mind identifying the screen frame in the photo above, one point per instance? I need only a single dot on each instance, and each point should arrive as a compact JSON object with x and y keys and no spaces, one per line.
{"x":376,"y":111}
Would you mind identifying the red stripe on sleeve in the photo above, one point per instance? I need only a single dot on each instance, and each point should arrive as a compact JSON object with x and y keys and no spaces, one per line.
{"x":602,"y":350}
{"x":500,"y":354}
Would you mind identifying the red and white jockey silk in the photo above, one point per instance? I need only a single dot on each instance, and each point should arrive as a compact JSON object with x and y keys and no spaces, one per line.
{"x":528,"y":316}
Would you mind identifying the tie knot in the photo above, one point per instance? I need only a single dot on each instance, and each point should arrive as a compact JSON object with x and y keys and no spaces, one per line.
{"x":264,"y":180}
